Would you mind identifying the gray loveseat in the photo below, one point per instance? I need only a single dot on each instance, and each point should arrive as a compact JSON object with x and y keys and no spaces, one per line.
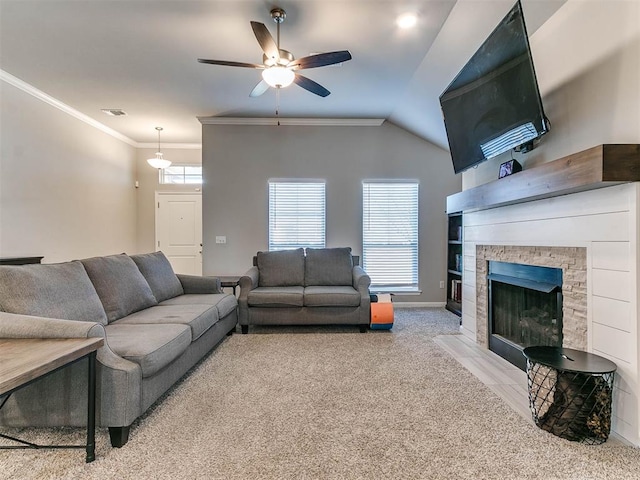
{"x":287,"y":287}
{"x":156,"y":326}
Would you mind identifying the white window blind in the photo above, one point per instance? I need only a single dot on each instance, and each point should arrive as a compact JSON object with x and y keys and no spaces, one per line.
{"x":390,"y":234}
{"x":296,"y":215}
{"x":181,"y":174}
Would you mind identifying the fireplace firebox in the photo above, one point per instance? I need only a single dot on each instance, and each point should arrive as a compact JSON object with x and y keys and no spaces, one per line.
{"x":525,"y":309}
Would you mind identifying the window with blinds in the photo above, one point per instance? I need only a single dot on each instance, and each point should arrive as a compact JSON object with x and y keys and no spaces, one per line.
{"x":296,"y":214}
{"x":390,"y":234}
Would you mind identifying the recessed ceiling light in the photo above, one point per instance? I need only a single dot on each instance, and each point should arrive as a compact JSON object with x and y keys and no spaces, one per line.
{"x":113,"y":112}
{"x":407,"y":20}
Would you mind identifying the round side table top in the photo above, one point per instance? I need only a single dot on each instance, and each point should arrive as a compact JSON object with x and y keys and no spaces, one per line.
{"x":570,"y":360}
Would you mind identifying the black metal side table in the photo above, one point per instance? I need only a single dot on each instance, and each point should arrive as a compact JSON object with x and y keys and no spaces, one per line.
{"x":570,"y":393}
{"x":230,"y":281}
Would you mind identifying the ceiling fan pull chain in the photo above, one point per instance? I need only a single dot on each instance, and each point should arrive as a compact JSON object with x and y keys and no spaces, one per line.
{"x":278,"y":105}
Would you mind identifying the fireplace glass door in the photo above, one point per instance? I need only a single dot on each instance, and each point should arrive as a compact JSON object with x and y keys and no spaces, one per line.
{"x":525,"y":305}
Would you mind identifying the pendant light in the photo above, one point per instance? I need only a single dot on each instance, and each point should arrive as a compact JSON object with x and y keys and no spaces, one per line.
{"x":159,"y":162}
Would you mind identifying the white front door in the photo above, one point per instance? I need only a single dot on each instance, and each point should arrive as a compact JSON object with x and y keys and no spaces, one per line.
{"x":179,"y":230}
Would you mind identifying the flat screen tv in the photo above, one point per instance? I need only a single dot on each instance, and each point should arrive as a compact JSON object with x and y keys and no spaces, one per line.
{"x":493,"y":104}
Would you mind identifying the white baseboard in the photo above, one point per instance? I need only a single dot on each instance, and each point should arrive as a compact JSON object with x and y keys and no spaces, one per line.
{"x":420,"y":304}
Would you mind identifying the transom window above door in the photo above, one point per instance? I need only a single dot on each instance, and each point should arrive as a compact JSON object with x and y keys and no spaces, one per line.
{"x":181,"y":175}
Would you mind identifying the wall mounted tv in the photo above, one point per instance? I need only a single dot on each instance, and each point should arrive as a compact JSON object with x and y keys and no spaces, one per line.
{"x":493,"y":104}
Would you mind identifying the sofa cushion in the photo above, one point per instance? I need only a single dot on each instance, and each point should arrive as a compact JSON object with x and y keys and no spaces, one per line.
{"x":200,"y":318}
{"x":159,"y":274}
{"x":328,"y":266}
{"x":153,"y":347}
{"x":331,"y":296}
{"x":276,"y":297}
{"x":281,"y":268}
{"x":61,"y":290}
{"x":224,"y":303}
{"x":120,"y":285}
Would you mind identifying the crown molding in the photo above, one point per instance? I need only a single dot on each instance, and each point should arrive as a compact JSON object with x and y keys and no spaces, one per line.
{"x":314,"y":122}
{"x":169,"y":146}
{"x":54,"y":102}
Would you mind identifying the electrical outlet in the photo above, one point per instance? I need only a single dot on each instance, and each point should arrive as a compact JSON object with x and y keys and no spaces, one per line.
{"x":221,"y":239}
{"x":441,"y":283}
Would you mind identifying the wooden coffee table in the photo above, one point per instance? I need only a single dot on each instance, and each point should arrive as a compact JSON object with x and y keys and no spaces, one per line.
{"x":25,"y":360}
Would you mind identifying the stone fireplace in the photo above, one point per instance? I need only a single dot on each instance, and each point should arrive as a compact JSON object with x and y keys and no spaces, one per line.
{"x":593,"y":237}
{"x":580,"y":213}
{"x":572,"y":262}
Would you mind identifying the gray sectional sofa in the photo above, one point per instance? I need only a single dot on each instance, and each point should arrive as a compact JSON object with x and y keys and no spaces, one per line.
{"x":156,"y":326}
{"x":287,"y":287}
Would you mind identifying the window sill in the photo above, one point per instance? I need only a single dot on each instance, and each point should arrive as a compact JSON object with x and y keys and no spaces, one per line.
{"x":397,"y":291}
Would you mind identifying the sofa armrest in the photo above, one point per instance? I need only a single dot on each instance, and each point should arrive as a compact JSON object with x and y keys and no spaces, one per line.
{"x":361,"y":282}
{"x":195,"y":284}
{"x":247,"y":282}
{"x":119,"y":380}
{"x":13,"y":325}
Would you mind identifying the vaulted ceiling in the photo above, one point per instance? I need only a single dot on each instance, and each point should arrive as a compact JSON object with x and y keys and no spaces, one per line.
{"x":140,"y":56}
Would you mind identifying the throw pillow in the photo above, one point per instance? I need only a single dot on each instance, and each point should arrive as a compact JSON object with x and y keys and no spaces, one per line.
{"x":282,"y":268}
{"x":328,"y":266}
{"x":159,"y":274}
{"x":60,"y":290}
{"x":120,"y":285}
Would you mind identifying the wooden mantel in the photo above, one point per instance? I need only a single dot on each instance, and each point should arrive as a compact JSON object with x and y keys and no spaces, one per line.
{"x":597,"y":167}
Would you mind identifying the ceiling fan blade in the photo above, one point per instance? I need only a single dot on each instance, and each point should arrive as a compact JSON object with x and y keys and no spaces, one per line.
{"x":320,"y":60}
{"x":266,"y":41}
{"x":230,"y":64}
{"x":259,"y":89}
{"x":310,"y":85}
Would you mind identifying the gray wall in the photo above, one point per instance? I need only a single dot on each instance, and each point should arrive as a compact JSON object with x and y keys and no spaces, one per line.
{"x":238,"y":161}
{"x":66,"y":189}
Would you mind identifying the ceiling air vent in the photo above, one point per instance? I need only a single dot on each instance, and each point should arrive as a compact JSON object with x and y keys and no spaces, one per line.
{"x":114,"y":112}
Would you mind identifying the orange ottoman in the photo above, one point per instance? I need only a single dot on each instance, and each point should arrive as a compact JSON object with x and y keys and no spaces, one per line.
{"x":382,"y":313}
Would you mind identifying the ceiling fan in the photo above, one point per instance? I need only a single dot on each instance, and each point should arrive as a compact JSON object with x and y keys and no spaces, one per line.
{"x":279,"y":67}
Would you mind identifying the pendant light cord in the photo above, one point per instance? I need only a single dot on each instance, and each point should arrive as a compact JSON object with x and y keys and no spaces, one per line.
{"x":159,"y":129}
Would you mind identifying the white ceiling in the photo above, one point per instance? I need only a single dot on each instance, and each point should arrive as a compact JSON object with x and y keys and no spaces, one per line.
{"x":140,"y":56}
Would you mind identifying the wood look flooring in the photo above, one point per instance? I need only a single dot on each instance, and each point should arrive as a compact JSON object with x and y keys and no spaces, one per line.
{"x":506,"y":380}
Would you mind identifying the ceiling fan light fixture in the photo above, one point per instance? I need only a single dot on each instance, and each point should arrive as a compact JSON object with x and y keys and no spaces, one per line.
{"x":278,"y":77}
{"x":158,"y":161}
{"x":279,"y":67}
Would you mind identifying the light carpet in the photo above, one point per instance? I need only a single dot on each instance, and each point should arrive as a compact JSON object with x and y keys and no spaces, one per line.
{"x":329,"y":403}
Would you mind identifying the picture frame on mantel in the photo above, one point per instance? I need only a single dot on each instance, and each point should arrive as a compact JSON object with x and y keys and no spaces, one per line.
{"x":509,"y":167}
